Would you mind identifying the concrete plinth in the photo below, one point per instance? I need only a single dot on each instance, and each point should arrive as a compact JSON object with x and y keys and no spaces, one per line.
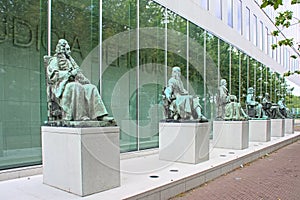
{"x":184,"y":142}
{"x":289,"y":126}
{"x":231,"y":134}
{"x":81,"y":161}
{"x":259,"y":130}
{"x":277,"y":127}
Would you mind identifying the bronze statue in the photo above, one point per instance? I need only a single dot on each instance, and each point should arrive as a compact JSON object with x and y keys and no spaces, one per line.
{"x":285,"y":111}
{"x":76,"y":97}
{"x":222,"y":99}
{"x":234,"y":111}
{"x":271,"y":109}
{"x":178,"y":103}
{"x":254,"y":108}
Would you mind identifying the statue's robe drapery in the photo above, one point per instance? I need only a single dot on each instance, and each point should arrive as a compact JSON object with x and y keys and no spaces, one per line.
{"x":185,"y":104}
{"x":79,"y":99}
{"x":222,"y":100}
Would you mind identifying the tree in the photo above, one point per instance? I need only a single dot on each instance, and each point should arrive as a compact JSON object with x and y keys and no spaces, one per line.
{"x":283,"y":20}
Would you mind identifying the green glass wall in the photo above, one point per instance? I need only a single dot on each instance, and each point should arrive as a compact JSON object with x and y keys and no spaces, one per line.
{"x":78,"y":23}
{"x":151,"y":72}
{"x":22,"y":42}
{"x":119,"y":68}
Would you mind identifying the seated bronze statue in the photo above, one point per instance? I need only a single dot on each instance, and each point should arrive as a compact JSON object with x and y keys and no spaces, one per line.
{"x":271,"y":109}
{"x":70,"y":95}
{"x":254,"y":108}
{"x":222,"y":99}
{"x":283,"y":109}
{"x":234,"y":111}
{"x":178,"y":104}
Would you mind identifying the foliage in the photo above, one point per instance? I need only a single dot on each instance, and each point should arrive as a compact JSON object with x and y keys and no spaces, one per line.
{"x":282,"y":20}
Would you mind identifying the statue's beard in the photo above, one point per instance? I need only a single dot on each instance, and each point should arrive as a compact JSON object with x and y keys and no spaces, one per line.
{"x":177,"y":77}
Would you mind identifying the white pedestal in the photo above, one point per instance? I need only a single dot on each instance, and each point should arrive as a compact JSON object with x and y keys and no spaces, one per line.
{"x":231,"y":134}
{"x":277,"y":127}
{"x":259,"y":130}
{"x":184,"y":142}
{"x":289,"y":126}
{"x":81,"y":161}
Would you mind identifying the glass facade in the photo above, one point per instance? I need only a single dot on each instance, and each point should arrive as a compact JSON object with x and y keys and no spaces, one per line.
{"x":254,"y":30}
{"x":204,"y":4}
{"x":261,"y":36}
{"x":230,"y":12}
{"x":239,"y":17}
{"x":247,"y":23}
{"x":127,"y":49}
{"x":22,"y":44}
{"x":218,"y":8}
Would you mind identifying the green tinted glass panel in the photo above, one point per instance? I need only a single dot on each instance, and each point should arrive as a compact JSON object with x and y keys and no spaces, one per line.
{"x":225,"y":62}
{"x":252,"y":73}
{"x":22,"y":41}
{"x":196,"y":62}
{"x":119,"y":68}
{"x":177,"y":44}
{"x":244,"y":78}
{"x":235,"y":71}
{"x":211,"y":74}
{"x":151,"y":72}
{"x":78,"y":23}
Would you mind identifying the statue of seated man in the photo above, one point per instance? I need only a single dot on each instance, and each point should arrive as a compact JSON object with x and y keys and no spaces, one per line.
{"x":271,"y":109}
{"x":283,"y":109}
{"x":233,"y":110}
{"x":222,"y":99}
{"x":254,"y":108}
{"x":181,"y":104}
{"x":76,"y":96}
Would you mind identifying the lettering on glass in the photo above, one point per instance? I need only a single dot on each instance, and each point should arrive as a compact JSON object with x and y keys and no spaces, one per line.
{"x":25,"y":34}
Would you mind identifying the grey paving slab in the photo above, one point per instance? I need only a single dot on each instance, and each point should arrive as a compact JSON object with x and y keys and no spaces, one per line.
{"x":274,"y":176}
{"x":136,"y":171}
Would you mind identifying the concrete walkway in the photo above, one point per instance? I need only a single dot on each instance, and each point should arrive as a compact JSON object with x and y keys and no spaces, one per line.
{"x":275,"y":176}
{"x":145,"y":176}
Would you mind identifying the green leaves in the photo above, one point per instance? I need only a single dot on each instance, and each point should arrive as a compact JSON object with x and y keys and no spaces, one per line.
{"x":286,"y":42}
{"x":275,"y":33}
{"x":283,"y":18}
{"x":287,"y":74}
{"x":274,"y":46}
{"x":274,"y":3}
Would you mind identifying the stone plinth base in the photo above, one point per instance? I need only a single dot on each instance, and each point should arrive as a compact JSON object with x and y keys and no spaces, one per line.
{"x":231,"y":134}
{"x":81,"y":161}
{"x":277,"y":127}
{"x":259,"y":130}
{"x":184,"y":142}
{"x":289,"y":126}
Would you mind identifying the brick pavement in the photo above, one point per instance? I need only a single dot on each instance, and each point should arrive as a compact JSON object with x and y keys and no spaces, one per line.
{"x":274,"y":176}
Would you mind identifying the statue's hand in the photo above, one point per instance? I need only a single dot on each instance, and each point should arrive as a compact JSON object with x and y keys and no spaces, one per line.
{"x":168,"y":97}
{"x":185,"y":92}
{"x":74,"y":72}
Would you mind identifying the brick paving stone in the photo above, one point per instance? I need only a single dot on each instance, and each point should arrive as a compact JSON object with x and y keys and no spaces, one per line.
{"x":274,"y":176}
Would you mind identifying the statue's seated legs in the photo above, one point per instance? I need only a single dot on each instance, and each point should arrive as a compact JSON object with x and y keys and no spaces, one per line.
{"x":256,"y":111}
{"x":234,"y":111}
{"x":251,"y":110}
{"x":183,"y":107}
{"x":283,"y":112}
{"x":200,"y":116}
{"x":170,"y":108}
